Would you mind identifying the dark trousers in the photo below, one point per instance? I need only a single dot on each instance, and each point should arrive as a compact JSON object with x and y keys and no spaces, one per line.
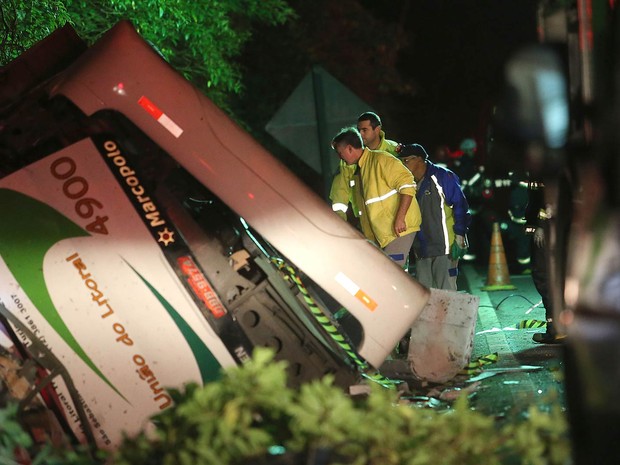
{"x":541,"y":281}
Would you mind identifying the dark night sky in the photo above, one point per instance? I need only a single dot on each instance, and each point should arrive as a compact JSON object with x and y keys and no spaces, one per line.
{"x":457,"y":54}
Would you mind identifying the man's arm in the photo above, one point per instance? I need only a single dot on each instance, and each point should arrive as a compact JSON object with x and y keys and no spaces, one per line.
{"x":456,"y":199}
{"x":340,"y":192}
{"x":400,"y":225}
{"x":339,"y":195}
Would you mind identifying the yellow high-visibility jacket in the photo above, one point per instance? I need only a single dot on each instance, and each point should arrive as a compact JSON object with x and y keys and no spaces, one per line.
{"x":383,"y":178}
{"x":342,"y":191}
{"x":345,"y":185}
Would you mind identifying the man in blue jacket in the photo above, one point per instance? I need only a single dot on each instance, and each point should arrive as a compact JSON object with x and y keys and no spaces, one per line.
{"x":441,"y":240}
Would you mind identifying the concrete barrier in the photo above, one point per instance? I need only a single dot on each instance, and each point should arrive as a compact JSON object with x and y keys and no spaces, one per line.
{"x":442,"y":337}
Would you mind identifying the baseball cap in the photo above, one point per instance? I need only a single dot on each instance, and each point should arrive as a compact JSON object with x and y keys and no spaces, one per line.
{"x":412,"y":150}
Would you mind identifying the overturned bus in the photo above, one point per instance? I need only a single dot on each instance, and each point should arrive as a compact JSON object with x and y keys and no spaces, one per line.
{"x":147,"y":241}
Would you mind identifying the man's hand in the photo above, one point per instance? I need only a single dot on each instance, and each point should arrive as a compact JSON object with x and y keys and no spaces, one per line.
{"x":539,"y":237}
{"x":459,"y":247}
{"x":460,"y":240}
{"x":400,"y":226}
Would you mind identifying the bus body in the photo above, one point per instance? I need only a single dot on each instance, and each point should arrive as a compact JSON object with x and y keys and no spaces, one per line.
{"x":147,"y":241}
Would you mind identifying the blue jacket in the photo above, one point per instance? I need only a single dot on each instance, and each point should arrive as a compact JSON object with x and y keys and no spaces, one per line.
{"x":445,"y":212}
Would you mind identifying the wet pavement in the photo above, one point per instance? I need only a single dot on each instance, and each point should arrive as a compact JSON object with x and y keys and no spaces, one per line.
{"x":526,"y":373}
{"x":513,"y":372}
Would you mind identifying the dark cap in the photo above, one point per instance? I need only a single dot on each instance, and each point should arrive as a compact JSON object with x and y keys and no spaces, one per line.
{"x":412,"y":150}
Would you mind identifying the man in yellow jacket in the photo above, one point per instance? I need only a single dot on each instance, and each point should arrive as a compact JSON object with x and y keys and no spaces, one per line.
{"x":345,"y":185}
{"x":387,"y":191}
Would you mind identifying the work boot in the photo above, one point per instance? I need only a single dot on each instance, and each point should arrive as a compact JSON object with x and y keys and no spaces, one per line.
{"x":548,"y":338}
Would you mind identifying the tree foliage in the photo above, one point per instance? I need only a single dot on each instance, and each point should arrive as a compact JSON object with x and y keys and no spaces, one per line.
{"x":241,"y":417}
{"x":200,"y":38}
{"x":348,"y":38}
{"x":23,"y":23}
{"x":250,"y":413}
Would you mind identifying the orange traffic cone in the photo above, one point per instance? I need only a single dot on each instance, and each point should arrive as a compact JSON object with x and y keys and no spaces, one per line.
{"x":498,"y":278}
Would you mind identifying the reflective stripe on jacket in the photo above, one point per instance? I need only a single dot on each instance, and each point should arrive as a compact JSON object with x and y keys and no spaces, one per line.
{"x":383,"y":179}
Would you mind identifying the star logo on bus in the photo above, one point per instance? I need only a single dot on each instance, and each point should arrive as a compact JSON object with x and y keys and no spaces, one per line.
{"x":166,"y":237}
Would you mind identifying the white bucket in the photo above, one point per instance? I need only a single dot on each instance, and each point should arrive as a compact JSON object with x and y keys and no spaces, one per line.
{"x":442,"y":336}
